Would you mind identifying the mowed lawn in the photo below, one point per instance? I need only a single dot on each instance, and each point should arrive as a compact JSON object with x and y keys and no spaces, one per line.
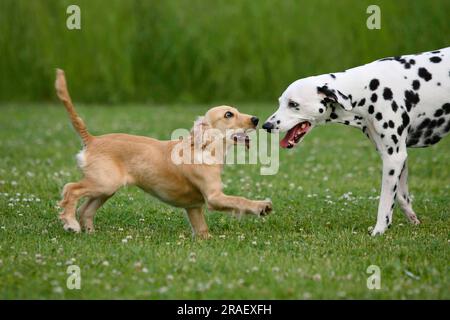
{"x":315,"y":244}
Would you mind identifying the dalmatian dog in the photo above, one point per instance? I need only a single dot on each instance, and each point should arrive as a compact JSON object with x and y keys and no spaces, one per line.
{"x":397,"y":102}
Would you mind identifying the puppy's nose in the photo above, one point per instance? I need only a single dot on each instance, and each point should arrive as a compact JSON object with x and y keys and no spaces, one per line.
{"x":254,"y":120}
{"x":268,"y":126}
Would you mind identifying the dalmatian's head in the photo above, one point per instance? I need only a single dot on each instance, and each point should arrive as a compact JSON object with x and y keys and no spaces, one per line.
{"x":303,"y":105}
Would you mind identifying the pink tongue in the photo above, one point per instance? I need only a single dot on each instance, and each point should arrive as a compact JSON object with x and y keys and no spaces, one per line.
{"x":289,"y":136}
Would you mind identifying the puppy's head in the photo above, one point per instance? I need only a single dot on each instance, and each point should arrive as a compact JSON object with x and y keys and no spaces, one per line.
{"x":224,"y":122}
{"x":301,"y":106}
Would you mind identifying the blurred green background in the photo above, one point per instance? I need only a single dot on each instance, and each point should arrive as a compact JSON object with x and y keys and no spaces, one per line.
{"x":200,"y":51}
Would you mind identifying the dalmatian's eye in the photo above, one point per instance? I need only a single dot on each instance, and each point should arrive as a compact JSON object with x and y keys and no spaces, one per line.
{"x":229,"y":114}
{"x":293,"y":104}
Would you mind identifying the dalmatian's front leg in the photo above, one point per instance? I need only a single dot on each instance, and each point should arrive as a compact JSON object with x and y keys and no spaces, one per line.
{"x":392,"y":167}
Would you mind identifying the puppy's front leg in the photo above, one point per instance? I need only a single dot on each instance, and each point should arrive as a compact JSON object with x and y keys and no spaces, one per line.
{"x":392,"y":167}
{"x":197,"y":219}
{"x":208,"y":181}
{"x":219,"y":201}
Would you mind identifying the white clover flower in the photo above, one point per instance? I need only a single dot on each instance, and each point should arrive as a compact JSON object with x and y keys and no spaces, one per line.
{"x":163,"y":290}
{"x":317,"y":277}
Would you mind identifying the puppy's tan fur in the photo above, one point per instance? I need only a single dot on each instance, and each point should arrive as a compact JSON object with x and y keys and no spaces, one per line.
{"x":111,"y":161}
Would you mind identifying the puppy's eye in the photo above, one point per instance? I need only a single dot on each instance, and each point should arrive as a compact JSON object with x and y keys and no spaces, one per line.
{"x":229,"y":114}
{"x":293,"y":104}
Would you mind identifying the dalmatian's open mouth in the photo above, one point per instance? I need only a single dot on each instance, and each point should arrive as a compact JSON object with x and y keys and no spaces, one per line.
{"x":295,"y":134}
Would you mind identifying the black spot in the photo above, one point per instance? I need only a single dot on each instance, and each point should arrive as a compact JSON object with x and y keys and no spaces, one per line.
{"x":362,"y":102}
{"x":446,"y":108}
{"x":333,"y":115}
{"x":387,"y":94}
{"x":432,"y":124}
{"x":346,"y":122}
{"x":385,"y":125}
{"x":382,"y":136}
{"x":320,"y":110}
{"x":438,"y":84}
{"x":394,"y":106}
{"x":394,"y":138}
{"x":411,"y":142}
{"x":374,"y":83}
{"x":391,"y":173}
{"x":374,"y":97}
{"x":435,"y":139}
{"x":411,"y":99}
{"x":379,"y":116}
{"x":435,"y":59}
{"x":423,"y":73}
{"x":437,"y":51}
{"x":405,"y":119}
{"x":416,"y":84}
{"x":428,"y":133}
{"x":447,"y":127}
{"x":412,"y":61}
{"x":343,"y":96}
{"x":333,"y":76}
{"x":440,"y":122}
{"x":424,"y":124}
{"x":438,"y":113}
{"x":391,"y":124}
{"x":371,"y":109}
{"x":390,"y":150}
{"x":329,"y":93}
{"x":278,"y":121}
{"x":400,"y":130}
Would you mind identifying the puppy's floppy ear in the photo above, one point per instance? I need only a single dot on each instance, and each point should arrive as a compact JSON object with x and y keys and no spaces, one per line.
{"x":199,"y":137}
{"x":335,"y":96}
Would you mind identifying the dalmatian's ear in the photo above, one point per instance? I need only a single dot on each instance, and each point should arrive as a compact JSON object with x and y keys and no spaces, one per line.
{"x":335,"y":96}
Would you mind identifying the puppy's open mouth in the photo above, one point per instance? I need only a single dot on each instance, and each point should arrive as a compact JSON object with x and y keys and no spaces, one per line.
{"x":241,"y":137}
{"x":295,"y":134}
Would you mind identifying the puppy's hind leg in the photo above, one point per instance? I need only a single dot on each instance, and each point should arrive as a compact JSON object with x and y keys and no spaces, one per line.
{"x":88,"y":210}
{"x":197,"y":219}
{"x":72,"y":192}
{"x":403,"y":197}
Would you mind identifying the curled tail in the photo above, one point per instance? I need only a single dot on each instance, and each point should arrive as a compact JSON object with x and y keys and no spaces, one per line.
{"x":63,"y":95}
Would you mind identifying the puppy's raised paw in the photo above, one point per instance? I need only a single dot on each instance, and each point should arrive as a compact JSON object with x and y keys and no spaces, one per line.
{"x":264,"y":207}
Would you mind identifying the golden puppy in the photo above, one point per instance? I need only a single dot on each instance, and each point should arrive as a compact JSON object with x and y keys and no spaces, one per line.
{"x":112,"y":161}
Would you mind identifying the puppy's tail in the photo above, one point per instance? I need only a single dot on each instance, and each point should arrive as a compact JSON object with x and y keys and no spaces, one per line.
{"x":63,"y":95}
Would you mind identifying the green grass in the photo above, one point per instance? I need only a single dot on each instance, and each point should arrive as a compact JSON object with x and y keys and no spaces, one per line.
{"x":200,"y":50}
{"x":314,"y":245}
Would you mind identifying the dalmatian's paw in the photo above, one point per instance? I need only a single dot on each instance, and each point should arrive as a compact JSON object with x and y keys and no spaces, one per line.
{"x":377,"y":230}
